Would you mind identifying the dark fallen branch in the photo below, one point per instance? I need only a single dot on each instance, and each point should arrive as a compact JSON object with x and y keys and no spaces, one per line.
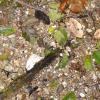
{"x":26,"y":78}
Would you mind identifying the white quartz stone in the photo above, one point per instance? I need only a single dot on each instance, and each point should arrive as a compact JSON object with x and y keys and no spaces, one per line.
{"x":82,"y":95}
{"x":32,"y":60}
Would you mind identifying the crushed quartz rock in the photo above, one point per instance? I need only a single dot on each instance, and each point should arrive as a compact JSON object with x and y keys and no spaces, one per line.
{"x":32,"y":60}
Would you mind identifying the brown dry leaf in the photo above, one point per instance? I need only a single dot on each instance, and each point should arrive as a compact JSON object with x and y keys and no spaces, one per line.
{"x":76,"y":6}
{"x":97,"y":34}
{"x":75,"y":28}
{"x":3,"y":18}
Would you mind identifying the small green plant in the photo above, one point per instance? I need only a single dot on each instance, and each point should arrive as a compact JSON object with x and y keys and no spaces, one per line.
{"x":88,"y":62}
{"x":96,"y":56}
{"x":29,"y":38}
{"x":63,"y":61}
{"x":4,"y":56}
{"x":60,"y":36}
{"x":70,"y":96}
{"x":53,"y":85}
{"x":6,"y":31}
{"x":54,"y":14}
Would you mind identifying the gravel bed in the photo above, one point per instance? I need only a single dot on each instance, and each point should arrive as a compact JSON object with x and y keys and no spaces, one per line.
{"x":52,"y":83}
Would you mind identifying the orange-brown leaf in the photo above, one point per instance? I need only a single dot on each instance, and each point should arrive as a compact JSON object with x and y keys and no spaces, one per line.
{"x":76,"y":6}
{"x":62,"y":5}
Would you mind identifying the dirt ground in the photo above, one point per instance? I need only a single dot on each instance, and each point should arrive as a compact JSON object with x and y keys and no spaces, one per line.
{"x":53,"y":83}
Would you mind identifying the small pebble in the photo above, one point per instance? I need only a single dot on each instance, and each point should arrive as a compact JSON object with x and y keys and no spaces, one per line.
{"x":68,"y":49}
{"x":60,"y":88}
{"x":88,"y":30}
{"x":86,"y":89}
{"x":82,"y":95}
{"x":94,"y":77}
{"x":27,"y":12}
{"x":64,"y":83}
{"x":61,"y":54}
{"x":54,"y":72}
{"x":60,"y":74}
{"x":46,"y":91}
{"x":1,"y":86}
{"x":65,"y":74}
{"x":53,"y":44}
